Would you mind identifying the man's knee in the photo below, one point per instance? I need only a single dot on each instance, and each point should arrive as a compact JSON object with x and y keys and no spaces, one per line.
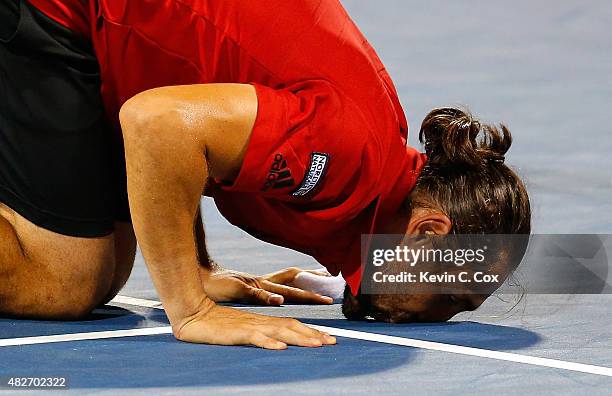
{"x":50,"y":276}
{"x":66,"y":304}
{"x":36,"y":290}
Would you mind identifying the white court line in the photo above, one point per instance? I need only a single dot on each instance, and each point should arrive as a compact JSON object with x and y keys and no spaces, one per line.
{"x":137,"y":301}
{"x":96,"y":335}
{"x":359,"y":335}
{"x":462,"y":350}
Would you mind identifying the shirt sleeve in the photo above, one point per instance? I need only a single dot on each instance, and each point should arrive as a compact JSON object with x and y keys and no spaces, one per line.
{"x":309,"y":145}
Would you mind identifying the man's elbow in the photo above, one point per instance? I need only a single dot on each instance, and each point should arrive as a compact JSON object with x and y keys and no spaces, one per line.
{"x":144,"y":114}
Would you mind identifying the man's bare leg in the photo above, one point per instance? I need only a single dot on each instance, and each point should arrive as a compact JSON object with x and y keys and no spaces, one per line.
{"x":125,"y":252}
{"x":51,"y":276}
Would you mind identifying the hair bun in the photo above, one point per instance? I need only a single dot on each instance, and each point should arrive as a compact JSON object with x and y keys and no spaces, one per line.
{"x":453,"y":136}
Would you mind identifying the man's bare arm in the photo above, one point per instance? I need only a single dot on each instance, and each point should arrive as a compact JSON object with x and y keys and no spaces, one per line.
{"x":175,"y":139}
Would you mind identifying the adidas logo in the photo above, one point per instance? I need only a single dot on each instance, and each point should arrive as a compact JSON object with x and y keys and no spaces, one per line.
{"x":279,"y":175}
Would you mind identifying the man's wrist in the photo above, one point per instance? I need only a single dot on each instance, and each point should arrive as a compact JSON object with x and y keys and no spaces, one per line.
{"x":185,"y":315}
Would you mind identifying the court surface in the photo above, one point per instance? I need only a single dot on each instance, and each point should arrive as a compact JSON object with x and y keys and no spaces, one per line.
{"x":541,"y":67}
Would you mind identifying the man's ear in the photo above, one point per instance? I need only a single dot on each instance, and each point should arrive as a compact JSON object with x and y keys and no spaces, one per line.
{"x":428,"y":221}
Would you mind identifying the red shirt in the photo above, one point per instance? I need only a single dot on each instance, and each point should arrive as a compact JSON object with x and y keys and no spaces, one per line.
{"x":327,"y":159}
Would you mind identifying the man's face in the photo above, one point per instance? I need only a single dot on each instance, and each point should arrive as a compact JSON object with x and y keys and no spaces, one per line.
{"x":407,"y":308}
{"x":454,"y":287}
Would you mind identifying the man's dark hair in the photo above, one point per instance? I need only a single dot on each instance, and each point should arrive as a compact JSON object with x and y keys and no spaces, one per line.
{"x":465,"y":177}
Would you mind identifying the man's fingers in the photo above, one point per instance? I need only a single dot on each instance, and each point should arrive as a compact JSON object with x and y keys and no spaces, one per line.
{"x":263,"y":341}
{"x":287,"y":275}
{"x":227,"y":326}
{"x":320,"y":272}
{"x":259,"y":296}
{"x":294,"y":294}
{"x":310,"y":332}
{"x":283,"y":276}
{"x":292,"y":337}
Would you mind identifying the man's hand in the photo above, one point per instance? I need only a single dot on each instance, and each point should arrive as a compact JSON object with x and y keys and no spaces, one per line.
{"x":270,"y":289}
{"x":227,"y":326}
